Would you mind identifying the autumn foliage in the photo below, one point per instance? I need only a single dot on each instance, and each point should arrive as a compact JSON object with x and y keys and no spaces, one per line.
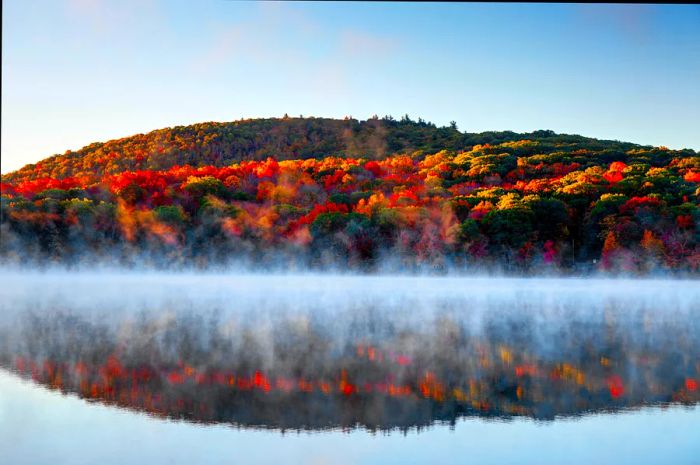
{"x":545,"y":201}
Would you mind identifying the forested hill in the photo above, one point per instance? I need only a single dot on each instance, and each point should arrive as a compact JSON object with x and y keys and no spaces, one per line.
{"x":364,"y":195}
{"x":220,"y":144}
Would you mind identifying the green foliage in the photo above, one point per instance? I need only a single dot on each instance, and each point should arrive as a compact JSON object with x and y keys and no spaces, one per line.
{"x":511,"y":227}
{"x":326,"y":224}
{"x":287,"y":211}
{"x":550,"y":217}
{"x":240,"y":195}
{"x":81,"y":207}
{"x":356,"y":196}
{"x":340,"y":197}
{"x":608,"y":204}
{"x":205,"y":185}
{"x":468,"y":230}
{"x":58,"y":194}
{"x":212,"y":207}
{"x":170,"y":214}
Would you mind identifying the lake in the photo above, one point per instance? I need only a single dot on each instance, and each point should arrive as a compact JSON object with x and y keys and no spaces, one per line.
{"x":119,"y":367}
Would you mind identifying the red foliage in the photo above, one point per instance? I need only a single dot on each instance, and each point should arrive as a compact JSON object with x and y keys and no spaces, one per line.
{"x":267,"y":169}
{"x":550,"y":252}
{"x":8,"y":189}
{"x":684,"y":221}
{"x":617,"y":166}
{"x":374,"y":168}
{"x":692,"y":176}
{"x":613,"y":176}
{"x":151,"y":181}
{"x":635,"y":203}
{"x":334,"y":179}
{"x":562,"y":169}
{"x":325,"y":208}
{"x":405,"y":196}
{"x":29,"y":188}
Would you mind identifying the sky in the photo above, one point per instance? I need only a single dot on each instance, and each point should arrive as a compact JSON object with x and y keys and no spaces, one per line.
{"x":81,"y":71}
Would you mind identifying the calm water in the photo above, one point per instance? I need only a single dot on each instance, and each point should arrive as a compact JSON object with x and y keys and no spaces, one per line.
{"x":149,"y":368}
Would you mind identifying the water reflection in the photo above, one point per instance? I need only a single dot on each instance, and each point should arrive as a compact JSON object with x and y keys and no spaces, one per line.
{"x":398,"y":363}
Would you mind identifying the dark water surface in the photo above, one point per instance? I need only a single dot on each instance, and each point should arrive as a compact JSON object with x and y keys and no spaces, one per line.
{"x":152,"y":368}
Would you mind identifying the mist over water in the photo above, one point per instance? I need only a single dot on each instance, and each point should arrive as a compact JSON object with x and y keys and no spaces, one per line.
{"x":312,"y":352}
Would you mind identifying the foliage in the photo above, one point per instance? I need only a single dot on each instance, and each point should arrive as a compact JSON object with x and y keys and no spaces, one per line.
{"x":317,"y":191}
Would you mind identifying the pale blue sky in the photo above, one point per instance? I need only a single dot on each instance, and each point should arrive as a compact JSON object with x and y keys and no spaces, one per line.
{"x":81,"y":71}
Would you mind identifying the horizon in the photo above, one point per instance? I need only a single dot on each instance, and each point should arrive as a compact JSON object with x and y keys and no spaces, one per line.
{"x":83,"y":72}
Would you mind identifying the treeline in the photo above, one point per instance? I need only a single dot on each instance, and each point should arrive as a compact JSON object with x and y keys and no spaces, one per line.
{"x":221,"y":144}
{"x":558,"y":203}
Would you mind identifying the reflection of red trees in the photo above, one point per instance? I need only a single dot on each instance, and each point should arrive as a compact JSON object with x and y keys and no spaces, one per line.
{"x":691,"y":384}
{"x":200,"y":372}
{"x":517,"y":388}
{"x":616,"y":386}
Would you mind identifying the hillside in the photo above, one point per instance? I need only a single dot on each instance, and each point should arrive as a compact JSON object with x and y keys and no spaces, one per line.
{"x":372,"y":195}
{"x":220,"y":144}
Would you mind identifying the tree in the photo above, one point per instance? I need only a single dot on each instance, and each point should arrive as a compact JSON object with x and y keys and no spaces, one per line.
{"x":610,"y":248}
{"x":199,"y":187}
{"x":509,"y":228}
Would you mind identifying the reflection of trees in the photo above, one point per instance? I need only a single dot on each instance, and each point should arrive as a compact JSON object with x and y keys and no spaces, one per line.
{"x":300,"y":373}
